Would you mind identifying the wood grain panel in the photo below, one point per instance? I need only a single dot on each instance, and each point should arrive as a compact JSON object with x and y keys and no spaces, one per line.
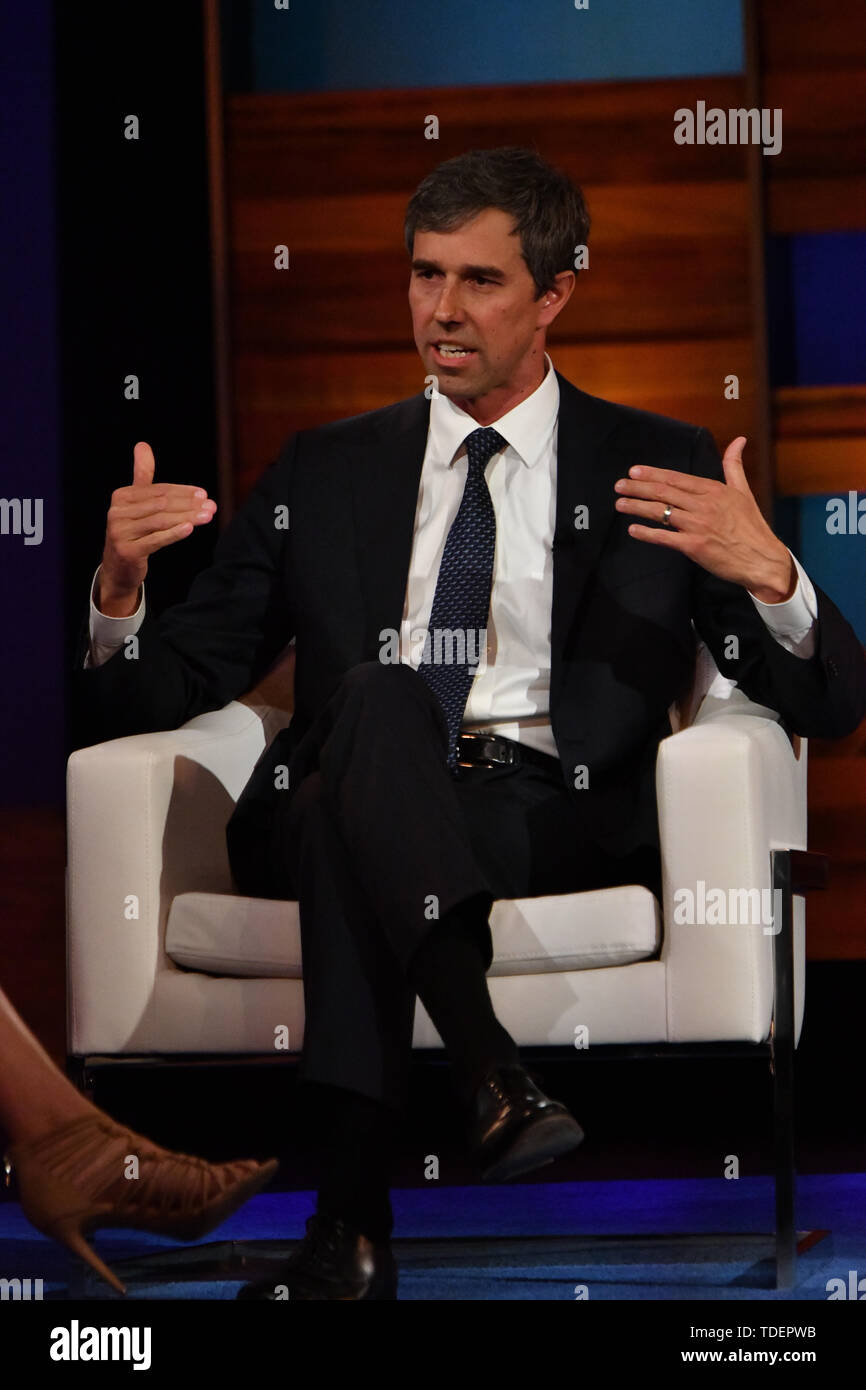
{"x":796,"y":205}
{"x":801,"y":411}
{"x":657,"y":260}
{"x":807,"y":466}
{"x":603,"y":132}
{"x":802,"y":34}
{"x":649,"y":289}
{"x":815,"y":71}
{"x":823,"y":123}
{"x":355,"y":223}
{"x":820,"y":439}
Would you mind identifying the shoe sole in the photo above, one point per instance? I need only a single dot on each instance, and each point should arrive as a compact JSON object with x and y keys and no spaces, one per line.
{"x":535,"y":1146}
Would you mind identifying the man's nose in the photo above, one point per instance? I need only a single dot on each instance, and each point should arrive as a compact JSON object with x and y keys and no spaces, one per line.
{"x":448,"y":306}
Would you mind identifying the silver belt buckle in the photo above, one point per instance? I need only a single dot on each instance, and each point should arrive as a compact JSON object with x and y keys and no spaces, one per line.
{"x":495,"y":749}
{"x":498,"y":756}
{"x":502,"y":757}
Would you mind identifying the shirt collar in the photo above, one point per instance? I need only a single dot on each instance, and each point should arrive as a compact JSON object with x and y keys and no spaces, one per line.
{"x":527,"y":428}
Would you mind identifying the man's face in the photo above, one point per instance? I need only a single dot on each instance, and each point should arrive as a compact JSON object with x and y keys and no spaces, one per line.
{"x":471,"y":288}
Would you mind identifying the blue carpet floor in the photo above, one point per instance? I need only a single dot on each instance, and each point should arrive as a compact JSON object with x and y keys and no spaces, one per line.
{"x":553,"y":1241}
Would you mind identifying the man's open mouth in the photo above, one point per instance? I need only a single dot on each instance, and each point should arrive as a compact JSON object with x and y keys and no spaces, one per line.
{"x":453,"y":351}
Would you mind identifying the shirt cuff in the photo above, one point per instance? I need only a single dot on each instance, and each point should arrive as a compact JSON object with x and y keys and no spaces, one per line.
{"x":108,"y":634}
{"x":792,"y":622}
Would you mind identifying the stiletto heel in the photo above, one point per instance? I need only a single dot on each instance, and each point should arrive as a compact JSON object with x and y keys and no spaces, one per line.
{"x":77,"y":1177}
{"x":72,"y":1236}
{"x":58,"y":1213}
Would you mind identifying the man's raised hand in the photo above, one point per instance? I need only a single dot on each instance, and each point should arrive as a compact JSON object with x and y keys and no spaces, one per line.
{"x":718,"y":525}
{"x":143,"y":518}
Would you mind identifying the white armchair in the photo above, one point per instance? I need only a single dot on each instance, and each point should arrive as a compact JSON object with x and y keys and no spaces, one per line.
{"x":164,"y":958}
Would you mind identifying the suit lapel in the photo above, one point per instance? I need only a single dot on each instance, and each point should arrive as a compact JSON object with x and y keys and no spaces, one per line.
{"x":384,"y":480}
{"x":385,"y":475}
{"x":585,"y":475}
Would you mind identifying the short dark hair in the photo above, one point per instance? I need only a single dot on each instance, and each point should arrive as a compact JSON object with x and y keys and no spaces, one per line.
{"x":548,"y":209}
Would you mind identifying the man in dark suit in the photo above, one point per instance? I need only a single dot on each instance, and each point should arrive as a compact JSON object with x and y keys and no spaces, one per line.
{"x":494,"y":589}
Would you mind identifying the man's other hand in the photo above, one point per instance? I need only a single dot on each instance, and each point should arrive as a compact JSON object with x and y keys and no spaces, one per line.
{"x":141,"y":519}
{"x":718,"y":525}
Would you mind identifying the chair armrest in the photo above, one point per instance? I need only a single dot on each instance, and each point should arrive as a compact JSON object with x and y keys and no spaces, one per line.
{"x":146,"y":821}
{"x":730,"y":788}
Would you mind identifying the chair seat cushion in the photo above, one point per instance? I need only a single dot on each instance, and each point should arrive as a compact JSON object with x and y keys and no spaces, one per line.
{"x":222,"y":934}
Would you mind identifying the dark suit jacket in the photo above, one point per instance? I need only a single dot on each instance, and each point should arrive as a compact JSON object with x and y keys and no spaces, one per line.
{"x":622,"y":647}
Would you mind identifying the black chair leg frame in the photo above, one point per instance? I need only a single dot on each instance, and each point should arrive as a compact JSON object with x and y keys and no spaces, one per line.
{"x":793,"y":871}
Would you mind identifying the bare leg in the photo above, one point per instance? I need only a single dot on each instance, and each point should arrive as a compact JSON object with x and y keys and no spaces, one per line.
{"x":34,"y":1096}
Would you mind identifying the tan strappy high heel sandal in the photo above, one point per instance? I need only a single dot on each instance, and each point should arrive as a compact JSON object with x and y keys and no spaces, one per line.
{"x":80,"y":1176}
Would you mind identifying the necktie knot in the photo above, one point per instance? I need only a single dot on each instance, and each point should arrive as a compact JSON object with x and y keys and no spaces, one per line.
{"x":482,"y":444}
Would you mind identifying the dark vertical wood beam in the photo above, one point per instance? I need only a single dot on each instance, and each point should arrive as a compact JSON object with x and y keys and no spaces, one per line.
{"x":218,"y":212}
{"x":762,"y":473}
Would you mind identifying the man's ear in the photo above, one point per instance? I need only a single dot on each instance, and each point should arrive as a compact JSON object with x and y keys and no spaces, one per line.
{"x":554,"y":300}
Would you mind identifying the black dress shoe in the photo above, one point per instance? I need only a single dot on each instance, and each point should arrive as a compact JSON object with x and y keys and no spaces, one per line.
{"x":332,"y":1262}
{"x":514,"y":1127}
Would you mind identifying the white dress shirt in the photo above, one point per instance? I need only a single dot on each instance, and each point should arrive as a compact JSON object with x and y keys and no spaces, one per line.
{"x":510,"y":694}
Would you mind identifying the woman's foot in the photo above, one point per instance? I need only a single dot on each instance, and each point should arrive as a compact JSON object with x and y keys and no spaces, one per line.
{"x":91,"y":1172}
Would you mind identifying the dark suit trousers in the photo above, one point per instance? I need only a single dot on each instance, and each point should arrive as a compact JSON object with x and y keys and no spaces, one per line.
{"x":376,"y":840}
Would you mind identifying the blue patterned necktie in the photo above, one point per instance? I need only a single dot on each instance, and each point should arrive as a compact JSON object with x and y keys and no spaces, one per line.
{"x":461,"y":603}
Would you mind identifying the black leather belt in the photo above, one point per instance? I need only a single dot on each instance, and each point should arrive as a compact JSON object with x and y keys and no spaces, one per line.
{"x":489,"y":750}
